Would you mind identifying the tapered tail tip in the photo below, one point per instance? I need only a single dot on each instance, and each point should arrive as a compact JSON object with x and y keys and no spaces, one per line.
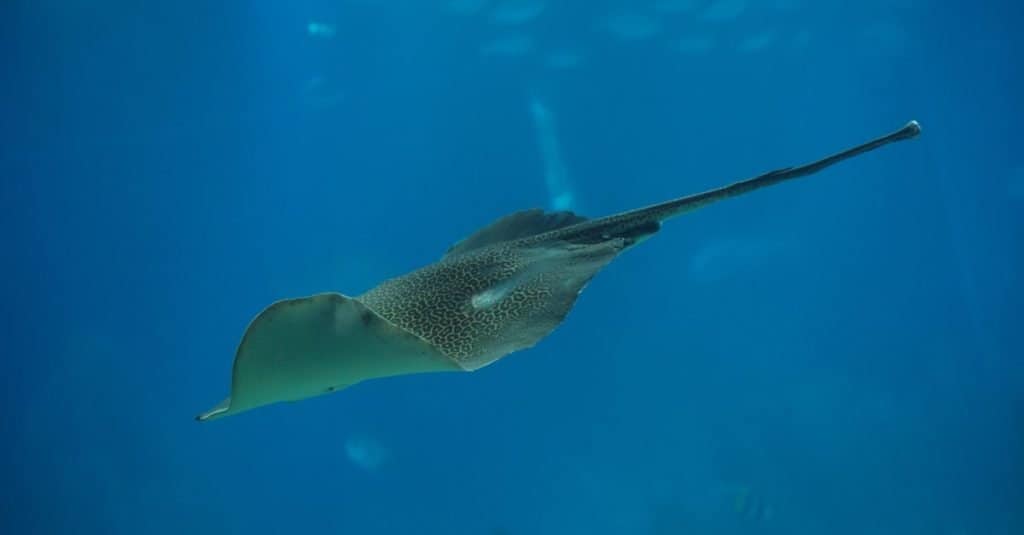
{"x":909,"y":130}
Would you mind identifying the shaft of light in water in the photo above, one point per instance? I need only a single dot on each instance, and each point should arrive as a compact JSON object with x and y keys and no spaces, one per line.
{"x":556,"y":178}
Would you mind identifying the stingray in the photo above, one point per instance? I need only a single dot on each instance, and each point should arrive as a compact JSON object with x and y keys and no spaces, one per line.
{"x":500,"y":290}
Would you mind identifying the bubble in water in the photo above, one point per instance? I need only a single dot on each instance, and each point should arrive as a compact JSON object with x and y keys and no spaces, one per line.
{"x":365,"y":452}
{"x":320,"y":30}
{"x":724,"y":10}
{"x":632,"y":26}
{"x":465,"y":7}
{"x":514,"y":45}
{"x":756,"y":42}
{"x":674,"y":6}
{"x":511,"y":12}
{"x":695,"y":44}
{"x":563,"y":60}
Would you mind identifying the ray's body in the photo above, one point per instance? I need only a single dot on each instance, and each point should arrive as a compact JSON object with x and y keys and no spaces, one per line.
{"x":500,"y":290}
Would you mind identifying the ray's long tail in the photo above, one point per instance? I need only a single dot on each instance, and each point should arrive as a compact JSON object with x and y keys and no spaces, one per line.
{"x":662,"y":211}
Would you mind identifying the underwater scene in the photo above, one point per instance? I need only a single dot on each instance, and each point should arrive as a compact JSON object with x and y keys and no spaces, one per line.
{"x":513,"y":267}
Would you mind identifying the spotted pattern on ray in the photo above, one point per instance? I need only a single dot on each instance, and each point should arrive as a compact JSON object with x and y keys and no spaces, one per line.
{"x":535,"y":288}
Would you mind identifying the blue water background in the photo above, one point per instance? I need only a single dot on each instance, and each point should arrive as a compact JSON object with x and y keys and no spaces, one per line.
{"x":839,"y":355}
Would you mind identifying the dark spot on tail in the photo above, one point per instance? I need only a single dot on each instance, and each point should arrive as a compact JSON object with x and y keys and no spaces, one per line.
{"x":640,"y":231}
{"x":628,"y":234}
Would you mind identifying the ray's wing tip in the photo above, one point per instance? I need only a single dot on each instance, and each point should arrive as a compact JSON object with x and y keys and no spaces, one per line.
{"x":215,"y":412}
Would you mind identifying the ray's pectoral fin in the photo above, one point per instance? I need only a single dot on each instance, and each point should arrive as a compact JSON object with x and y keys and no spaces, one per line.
{"x":300,"y":348}
{"x":216,"y":411}
{"x":514,"y":226}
